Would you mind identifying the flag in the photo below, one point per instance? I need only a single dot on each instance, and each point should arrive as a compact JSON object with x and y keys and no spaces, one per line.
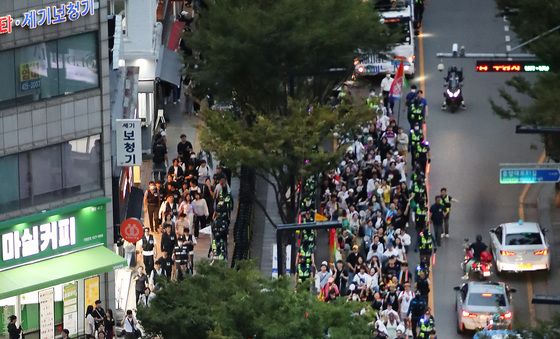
{"x":398,"y":82}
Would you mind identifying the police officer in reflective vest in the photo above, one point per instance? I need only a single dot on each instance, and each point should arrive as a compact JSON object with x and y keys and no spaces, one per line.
{"x":416,"y":136}
{"x":416,"y":310}
{"x":304,"y":270}
{"x":426,"y":245}
{"x":422,"y":154}
{"x":420,"y":215}
{"x":371,"y":101}
{"x":416,"y":112}
{"x":426,"y":325}
{"x":148,"y":250}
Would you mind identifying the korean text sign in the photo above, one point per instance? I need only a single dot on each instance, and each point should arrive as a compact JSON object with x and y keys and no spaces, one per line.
{"x":129,"y":146}
{"x":47,"y":16}
{"x":57,"y":234}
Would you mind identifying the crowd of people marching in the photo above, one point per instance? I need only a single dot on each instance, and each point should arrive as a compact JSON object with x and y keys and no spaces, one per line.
{"x":375,"y":198}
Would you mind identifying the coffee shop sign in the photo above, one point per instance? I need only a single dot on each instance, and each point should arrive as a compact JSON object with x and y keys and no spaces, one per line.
{"x":47,"y":16}
{"x":39,"y":238}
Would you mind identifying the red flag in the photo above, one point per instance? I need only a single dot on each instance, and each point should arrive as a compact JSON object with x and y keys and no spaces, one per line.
{"x":397,"y":85}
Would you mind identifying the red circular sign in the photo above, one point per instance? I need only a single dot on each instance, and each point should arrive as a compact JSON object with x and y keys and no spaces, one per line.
{"x":132,"y":230}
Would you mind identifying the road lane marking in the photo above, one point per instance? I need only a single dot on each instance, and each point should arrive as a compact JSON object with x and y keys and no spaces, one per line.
{"x":508,"y":48}
{"x":506,"y":28}
{"x":431,"y":303}
{"x":521,"y":212}
{"x":508,"y":38}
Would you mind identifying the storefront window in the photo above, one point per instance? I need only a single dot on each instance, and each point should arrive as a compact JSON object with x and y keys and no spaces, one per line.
{"x":54,"y":172}
{"x":49,"y":69}
{"x":36,"y":72}
{"x":77,"y":62}
{"x":7,"y":69}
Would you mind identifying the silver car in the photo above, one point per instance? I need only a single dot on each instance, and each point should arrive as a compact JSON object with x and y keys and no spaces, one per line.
{"x":520,"y":246}
{"x":479,"y":301}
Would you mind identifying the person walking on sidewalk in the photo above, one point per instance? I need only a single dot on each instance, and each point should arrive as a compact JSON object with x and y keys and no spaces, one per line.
{"x":148,"y":244}
{"x":437,"y":217}
{"x":200,"y":209}
{"x":159,"y":151}
{"x":446,"y":203}
{"x":184,"y":148}
{"x":152,"y":201}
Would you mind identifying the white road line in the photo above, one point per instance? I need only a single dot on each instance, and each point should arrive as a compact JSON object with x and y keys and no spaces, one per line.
{"x":505,"y":18}
{"x":507,"y":38}
{"x":506,"y":28}
{"x":508,"y":48}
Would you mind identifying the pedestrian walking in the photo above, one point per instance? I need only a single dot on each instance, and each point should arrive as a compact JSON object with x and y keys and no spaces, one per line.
{"x":140,"y":282}
{"x":152,"y":201}
{"x":386,"y":88}
{"x":446,"y":203}
{"x":437,"y":217}
{"x":130,"y":329}
{"x":89,"y":329}
{"x":14,"y":331}
{"x":200,"y":210}
{"x":148,"y":244}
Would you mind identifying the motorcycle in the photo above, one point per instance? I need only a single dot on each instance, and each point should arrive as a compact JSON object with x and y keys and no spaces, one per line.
{"x":483,"y":267}
{"x":453,"y":91}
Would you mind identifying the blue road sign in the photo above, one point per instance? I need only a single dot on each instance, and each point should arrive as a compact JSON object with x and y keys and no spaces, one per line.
{"x":529,"y":175}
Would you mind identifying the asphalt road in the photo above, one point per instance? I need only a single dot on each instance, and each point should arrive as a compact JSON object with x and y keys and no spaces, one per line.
{"x":467,"y":148}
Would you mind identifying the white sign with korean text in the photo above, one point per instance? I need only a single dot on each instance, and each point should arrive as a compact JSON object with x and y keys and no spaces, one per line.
{"x":46,"y":313}
{"x":39,"y":238}
{"x":129,"y":144}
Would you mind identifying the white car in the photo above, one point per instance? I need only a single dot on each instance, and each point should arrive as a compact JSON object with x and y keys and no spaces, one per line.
{"x":520,"y":246}
{"x":479,"y":301}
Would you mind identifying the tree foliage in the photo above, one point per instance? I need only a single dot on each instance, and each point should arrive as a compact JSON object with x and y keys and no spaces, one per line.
{"x":256,"y":47}
{"x":223,"y":303}
{"x":283,"y":148}
{"x":529,"y":19}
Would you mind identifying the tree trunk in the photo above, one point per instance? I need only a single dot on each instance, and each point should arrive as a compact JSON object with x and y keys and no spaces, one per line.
{"x":242,"y":229}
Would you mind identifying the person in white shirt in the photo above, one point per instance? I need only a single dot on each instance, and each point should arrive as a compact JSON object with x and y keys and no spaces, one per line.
{"x":405,"y":297}
{"x":362,"y":279}
{"x":90,"y":323}
{"x":130,"y":325}
{"x":146,"y":298}
{"x":405,"y":238}
{"x":200,"y":210}
{"x":391,"y":251}
{"x":322,"y":277}
{"x":385,"y":88}
{"x":204,"y":172}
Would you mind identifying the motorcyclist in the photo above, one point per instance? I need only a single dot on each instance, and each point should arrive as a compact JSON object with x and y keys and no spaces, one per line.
{"x":477,"y":248}
{"x":454,"y":73}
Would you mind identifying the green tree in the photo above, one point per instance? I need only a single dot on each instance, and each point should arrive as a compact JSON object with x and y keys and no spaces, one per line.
{"x":261,"y":48}
{"x":222,"y":303}
{"x":529,"y":19}
{"x":283,"y":149}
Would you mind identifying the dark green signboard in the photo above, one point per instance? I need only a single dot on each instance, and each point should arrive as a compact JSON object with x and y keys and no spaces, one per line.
{"x":41,"y":237}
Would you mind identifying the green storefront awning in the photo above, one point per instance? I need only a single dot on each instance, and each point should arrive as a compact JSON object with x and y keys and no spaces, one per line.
{"x":58,"y":270}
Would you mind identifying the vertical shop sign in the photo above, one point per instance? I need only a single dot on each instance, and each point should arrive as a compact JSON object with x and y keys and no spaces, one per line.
{"x":70,"y":304}
{"x":129,"y":147}
{"x":91,"y":291}
{"x":46,"y":313}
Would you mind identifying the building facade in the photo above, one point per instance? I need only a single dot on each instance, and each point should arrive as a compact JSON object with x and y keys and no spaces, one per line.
{"x":55,"y":162}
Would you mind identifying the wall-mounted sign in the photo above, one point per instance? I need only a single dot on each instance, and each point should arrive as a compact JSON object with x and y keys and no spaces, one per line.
{"x":50,"y":15}
{"x":46,"y":313}
{"x":91,"y":291}
{"x":70,"y":300}
{"x":129,"y":147}
{"x":25,"y":242}
{"x":132,"y":230}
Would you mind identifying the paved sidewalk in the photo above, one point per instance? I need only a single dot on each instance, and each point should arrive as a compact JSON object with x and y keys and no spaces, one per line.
{"x":190,"y":125}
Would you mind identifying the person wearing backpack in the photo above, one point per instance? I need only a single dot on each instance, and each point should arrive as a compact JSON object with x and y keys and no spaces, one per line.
{"x":159,"y":151}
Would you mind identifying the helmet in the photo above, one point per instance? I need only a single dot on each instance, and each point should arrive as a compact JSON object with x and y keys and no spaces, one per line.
{"x":479,"y":238}
{"x":425,"y":142}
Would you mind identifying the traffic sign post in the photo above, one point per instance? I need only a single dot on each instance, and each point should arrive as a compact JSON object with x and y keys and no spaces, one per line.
{"x":529,"y":173}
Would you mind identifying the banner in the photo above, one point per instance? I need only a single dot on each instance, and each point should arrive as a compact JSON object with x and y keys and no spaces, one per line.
{"x":397,"y":85}
{"x":91,"y":291}
{"x":70,"y":303}
{"x":46,"y":313}
{"x":129,"y":142}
